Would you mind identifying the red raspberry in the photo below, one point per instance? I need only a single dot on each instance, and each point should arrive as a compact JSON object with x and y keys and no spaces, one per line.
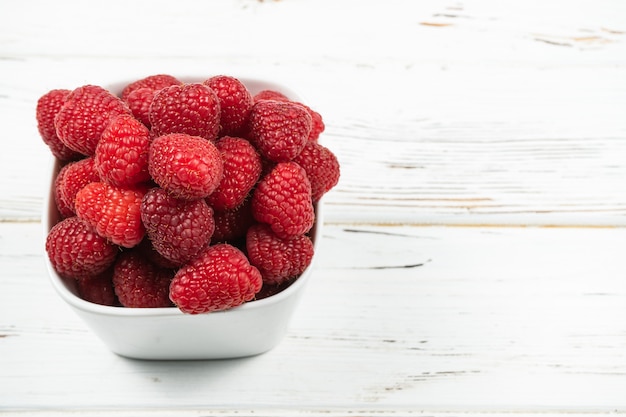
{"x":153,"y":82}
{"x":139,"y":283}
{"x":242,"y":169}
{"x":193,"y":109}
{"x":70,"y":180}
{"x":98,"y":289}
{"x":231,"y":225}
{"x":48,"y":106}
{"x":321,"y":166}
{"x":121,"y":156}
{"x":139,"y":101}
{"x":178,"y":229}
{"x":188,"y":167}
{"x":282,"y":199}
{"x":269,"y":95}
{"x":278,"y":260}
{"x":278,"y":129}
{"x":113,"y":211}
{"x":235,"y":103}
{"x":64,"y":209}
{"x":76,"y":251}
{"x":317,"y":123}
{"x":84,"y":115}
{"x":219,"y":278}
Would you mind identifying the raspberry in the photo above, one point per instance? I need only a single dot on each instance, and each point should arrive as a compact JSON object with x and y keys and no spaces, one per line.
{"x":269,"y":95}
{"x":317,"y":123}
{"x":121,"y":156}
{"x":48,"y":106}
{"x":278,"y":129}
{"x":113,"y":211}
{"x":234,"y":180}
{"x":139,"y":101}
{"x":193,"y":109}
{"x":235,"y":103}
{"x":76,"y":250}
{"x":219,"y":278}
{"x":321,"y":166}
{"x":282,"y":199}
{"x":70,"y":180}
{"x":278,"y":260}
{"x":188,"y":167}
{"x":139,"y":283}
{"x":84,"y":115}
{"x":178,"y":229}
{"x":153,"y":82}
{"x":232,"y":224}
{"x":63,"y":208}
{"x":242,"y":169}
{"x":98,"y":289}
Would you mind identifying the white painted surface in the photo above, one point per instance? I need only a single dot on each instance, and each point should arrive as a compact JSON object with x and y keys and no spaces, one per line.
{"x":502,"y":116}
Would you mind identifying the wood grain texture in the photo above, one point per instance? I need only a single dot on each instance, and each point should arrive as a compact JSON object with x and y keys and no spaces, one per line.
{"x":500,"y":117}
{"x":476,"y":122}
{"x":419,"y":319}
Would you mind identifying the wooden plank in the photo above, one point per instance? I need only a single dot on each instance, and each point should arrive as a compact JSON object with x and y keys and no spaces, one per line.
{"x":482,"y":114}
{"x":421,"y":319}
{"x":499,"y":115}
{"x":422,"y":160}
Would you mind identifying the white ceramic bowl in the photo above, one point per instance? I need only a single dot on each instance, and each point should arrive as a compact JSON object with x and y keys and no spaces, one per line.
{"x":169,"y":334}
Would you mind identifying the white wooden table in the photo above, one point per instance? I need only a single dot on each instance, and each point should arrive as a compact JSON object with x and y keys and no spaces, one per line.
{"x":472,"y":260}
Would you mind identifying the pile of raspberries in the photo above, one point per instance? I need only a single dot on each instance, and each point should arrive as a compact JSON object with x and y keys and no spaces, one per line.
{"x":195,"y":195}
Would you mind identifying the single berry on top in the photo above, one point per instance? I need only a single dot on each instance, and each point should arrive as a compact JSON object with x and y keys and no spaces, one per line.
{"x":187,"y":167}
{"x":193,"y":109}
{"x":77,"y":251}
{"x":235,"y":103}
{"x":242,"y":169}
{"x":219,"y":278}
{"x":139,"y":101}
{"x":317,"y":123}
{"x":178,"y":229}
{"x":113,"y":211}
{"x":321,"y":166}
{"x":153,"y":82}
{"x":70,"y":180}
{"x":84,"y":116}
{"x":138,"y":94}
{"x":279,"y":260}
{"x":282,"y":199}
{"x":48,"y":106}
{"x":278,"y":129}
{"x":121,"y":156}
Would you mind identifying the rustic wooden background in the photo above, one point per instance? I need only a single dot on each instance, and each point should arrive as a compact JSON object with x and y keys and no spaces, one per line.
{"x":473,"y":256}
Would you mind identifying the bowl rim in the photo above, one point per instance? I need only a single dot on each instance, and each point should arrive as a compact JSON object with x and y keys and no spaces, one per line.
{"x":78,"y":303}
